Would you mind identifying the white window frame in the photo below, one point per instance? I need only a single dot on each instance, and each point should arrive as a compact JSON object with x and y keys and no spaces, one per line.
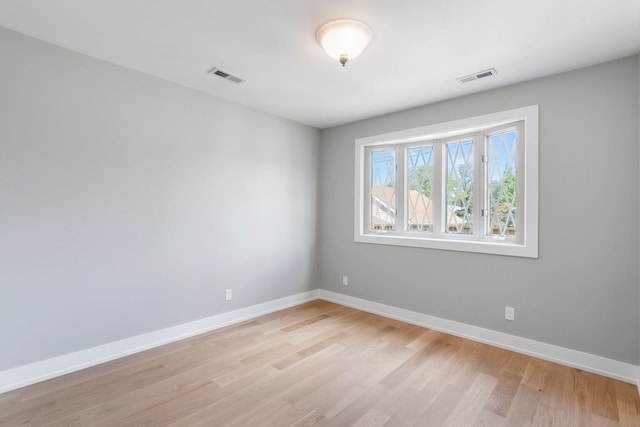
{"x":526,"y":244}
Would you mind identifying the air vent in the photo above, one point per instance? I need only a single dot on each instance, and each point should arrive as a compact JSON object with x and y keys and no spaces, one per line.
{"x":479,"y":75}
{"x":215,"y":71}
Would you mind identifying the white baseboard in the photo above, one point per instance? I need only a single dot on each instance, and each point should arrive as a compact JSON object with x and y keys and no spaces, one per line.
{"x":21,"y":376}
{"x":564,"y":356}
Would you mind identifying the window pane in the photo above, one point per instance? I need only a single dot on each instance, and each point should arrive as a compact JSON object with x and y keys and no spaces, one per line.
{"x":459,"y":187}
{"x":383,"y":192}
{"x":419,"y":182}
{"x":502,"y":184}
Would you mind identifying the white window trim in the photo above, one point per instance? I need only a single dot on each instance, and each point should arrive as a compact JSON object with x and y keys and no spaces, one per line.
{"x":528,"y":245}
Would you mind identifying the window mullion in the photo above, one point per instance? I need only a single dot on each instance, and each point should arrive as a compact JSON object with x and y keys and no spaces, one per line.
{"x":438,"y":194}
{"x":401,"y":196}
{"x":486,"y":185}
{"x":477,"y":186}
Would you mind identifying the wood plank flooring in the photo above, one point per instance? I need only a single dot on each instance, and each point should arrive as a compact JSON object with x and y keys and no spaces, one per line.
{"x":322,"y":364}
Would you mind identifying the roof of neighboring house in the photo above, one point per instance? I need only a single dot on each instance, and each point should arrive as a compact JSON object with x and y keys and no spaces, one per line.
{"x":383,"y":205}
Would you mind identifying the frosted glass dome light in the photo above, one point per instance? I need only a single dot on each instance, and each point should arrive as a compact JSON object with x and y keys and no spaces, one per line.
{"x":344,"y":39}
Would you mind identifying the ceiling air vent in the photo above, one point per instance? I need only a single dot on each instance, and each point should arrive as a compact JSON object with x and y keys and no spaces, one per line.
{"x":215,"y":71}
{"x":479,"y":75}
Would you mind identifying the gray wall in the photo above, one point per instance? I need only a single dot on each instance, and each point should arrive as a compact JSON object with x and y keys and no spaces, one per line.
{"x":582,"y":292}
{"x":128,"y":204}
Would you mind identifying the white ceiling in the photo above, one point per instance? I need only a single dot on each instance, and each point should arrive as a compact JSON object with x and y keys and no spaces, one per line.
{"x":419,"y":47}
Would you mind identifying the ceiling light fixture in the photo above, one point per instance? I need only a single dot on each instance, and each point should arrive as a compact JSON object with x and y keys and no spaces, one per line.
{"x":344,"y":39}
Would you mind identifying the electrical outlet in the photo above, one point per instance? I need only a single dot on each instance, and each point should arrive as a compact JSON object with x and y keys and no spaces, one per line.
{"x":228,"y":295}
{"x":345,"y":280}
{"x":510,"y":313}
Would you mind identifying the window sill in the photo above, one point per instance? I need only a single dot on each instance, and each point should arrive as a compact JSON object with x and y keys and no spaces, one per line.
{"x":475,"y":246}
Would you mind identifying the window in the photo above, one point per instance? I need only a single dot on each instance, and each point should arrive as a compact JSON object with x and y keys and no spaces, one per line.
{"x":469,"y":185}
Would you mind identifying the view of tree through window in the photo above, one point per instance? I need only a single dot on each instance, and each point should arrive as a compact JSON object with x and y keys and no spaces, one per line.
{"x":500,"y":178}
{"x":468,"y":185}
{"x":460,"y":187}
{"x":502,"y":152}
{"x":420,"y":183}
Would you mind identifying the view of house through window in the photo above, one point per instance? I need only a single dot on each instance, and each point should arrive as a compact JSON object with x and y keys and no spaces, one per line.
{"x":461,"y":188}
{"x":383,"y":194}
{"x":500,"y":168}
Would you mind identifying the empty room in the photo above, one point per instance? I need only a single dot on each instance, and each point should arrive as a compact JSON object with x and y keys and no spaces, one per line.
{"x":331,"y":213}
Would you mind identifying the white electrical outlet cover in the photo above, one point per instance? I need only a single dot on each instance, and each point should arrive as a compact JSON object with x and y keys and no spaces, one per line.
{"x":509,"y":313}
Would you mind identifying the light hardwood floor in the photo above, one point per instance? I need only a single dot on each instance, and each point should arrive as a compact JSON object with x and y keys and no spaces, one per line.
{"x":327,"y":365}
